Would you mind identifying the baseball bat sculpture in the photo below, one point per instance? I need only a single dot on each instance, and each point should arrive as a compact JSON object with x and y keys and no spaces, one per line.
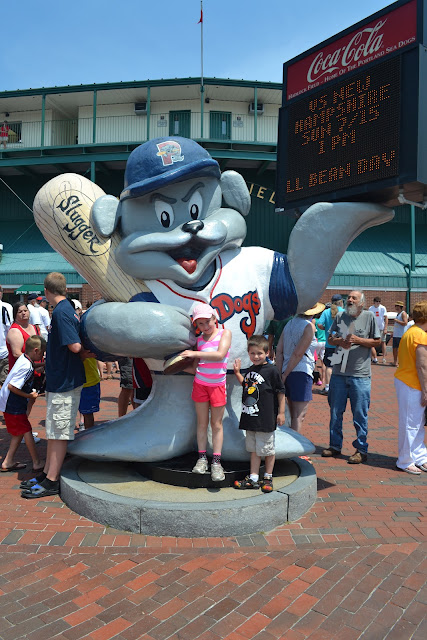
{"x":62,"y":213}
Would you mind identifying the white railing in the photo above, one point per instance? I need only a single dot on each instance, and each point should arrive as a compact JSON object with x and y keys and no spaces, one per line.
{"x":131,"y":129}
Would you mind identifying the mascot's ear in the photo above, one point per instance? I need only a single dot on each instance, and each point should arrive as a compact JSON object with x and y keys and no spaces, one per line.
{"x":104,"y":215}
{"x":235,"y":192}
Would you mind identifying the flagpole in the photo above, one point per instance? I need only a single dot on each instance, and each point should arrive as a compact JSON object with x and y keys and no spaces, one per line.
{"x":201,"y":40}
{"x":202,"y":88}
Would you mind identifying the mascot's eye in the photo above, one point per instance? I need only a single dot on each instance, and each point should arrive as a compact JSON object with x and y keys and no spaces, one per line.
{"x":195,"y":205}
{"x":164,"y":213}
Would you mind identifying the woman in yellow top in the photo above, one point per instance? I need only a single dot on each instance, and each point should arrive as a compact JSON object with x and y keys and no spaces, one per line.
{"x":411,"y":389}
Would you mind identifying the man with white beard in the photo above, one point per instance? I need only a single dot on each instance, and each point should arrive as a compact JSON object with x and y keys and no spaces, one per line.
{"x":354,"y":332}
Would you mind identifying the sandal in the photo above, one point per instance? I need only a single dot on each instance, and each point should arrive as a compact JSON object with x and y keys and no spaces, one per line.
{"x":246,"y":483}
{"x":423,"y":466}
{"x":18,"y":466}
{"x":412,"y":469}
{"x":267,"y":485}
{"x":38,"y":491}
{"x":27,"y":484}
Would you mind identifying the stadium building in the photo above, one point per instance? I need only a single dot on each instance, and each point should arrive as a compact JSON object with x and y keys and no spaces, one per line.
{"x":91,"y":129}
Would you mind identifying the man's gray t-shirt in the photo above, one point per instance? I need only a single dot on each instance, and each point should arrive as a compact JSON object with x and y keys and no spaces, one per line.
{"x":359,"y":358}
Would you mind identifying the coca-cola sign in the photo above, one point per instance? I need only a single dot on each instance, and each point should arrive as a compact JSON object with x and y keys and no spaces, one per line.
{"x":372,"y":41}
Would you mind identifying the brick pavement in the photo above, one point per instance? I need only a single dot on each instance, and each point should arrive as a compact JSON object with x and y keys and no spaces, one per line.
{"x":353,"y":567}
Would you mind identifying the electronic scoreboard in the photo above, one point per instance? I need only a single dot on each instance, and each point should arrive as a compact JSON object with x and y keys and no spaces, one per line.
{"x":353,"y":120}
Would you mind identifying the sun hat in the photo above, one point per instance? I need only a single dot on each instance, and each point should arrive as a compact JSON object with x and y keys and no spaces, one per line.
{"x":318,"y":308}
{"x":399,"y":303}
{"x":204,"y":310}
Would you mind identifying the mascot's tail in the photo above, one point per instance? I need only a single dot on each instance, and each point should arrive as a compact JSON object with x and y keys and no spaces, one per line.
{"x":319,"y":240}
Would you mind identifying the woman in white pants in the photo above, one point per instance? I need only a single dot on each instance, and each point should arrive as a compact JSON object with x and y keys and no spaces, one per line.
{"x":411,"y":389}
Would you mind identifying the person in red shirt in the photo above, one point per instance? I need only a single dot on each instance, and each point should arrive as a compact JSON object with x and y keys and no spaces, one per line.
{"x":4,"y":133}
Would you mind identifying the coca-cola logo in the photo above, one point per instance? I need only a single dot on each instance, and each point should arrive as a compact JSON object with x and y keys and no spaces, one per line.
{"x":363,"y":44}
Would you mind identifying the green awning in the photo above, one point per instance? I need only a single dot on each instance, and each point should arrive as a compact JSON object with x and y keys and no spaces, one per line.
{"x":30,"y":288}
{"x":27,"y":258}
{"x":376,"y":259}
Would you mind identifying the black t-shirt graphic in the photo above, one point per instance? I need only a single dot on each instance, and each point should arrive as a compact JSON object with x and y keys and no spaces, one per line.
{"x":261,"y":384}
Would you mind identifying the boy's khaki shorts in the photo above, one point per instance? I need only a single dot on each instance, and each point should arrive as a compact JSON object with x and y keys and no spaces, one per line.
{"x":260,"y":443}
{"x":61,"y":414}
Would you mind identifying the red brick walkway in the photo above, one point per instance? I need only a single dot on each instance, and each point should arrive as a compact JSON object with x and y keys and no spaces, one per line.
{"x":353,"y":567}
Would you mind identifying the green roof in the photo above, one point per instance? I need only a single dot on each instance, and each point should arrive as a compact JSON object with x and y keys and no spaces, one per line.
{"x":27,"y":258}
{"x":377,"y":258}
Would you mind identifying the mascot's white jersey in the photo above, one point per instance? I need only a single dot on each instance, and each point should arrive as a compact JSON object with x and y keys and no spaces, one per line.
{"x":238,"y":291}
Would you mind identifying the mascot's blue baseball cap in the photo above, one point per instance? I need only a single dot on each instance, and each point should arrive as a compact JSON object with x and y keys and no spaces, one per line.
{"x":163,"y":161}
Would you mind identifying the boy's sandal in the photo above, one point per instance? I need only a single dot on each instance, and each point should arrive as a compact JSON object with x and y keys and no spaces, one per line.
{"x":18,"y":466}
{"x":267,"y":485}
{"x":246,"y":483}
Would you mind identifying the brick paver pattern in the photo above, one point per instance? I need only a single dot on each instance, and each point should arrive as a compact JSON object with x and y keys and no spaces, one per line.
{"x":353,"y":567}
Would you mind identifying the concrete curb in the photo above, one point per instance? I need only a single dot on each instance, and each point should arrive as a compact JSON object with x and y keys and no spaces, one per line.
{"x":262,"y":512}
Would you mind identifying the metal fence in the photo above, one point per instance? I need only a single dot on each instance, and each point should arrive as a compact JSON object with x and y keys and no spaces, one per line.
{"x":217,"y":126}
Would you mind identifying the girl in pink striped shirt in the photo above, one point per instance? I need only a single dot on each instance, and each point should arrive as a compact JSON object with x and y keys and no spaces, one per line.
{"x":209,"y":390}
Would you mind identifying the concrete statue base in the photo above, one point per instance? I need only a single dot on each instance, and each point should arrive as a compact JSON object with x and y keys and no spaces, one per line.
{"x":116,"y":494}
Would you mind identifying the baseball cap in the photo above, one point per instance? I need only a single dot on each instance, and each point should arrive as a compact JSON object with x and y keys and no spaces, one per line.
{"x":32,"y":296}
{"x":41,"y":299}
{"x":77,"y":303}
{"x":336,"y":297}
{"x":163,"y":161}
{"x":203,"y":310}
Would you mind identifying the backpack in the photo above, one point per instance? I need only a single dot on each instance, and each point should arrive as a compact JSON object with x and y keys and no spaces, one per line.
{"x":5,"y":316}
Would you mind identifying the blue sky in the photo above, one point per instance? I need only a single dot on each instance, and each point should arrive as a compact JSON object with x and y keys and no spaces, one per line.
{"x":55,"y":43}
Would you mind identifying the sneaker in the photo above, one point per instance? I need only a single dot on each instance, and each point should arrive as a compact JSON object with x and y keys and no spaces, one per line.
{"x":82,"y":427}
{"x":217,"y":472}
{"x":384,"y":360}
{"x":201,"y":466}
{"x":330,"y":453}
{"x":375,"y":361}
{"x":267,"y":485}
{"x":324,"y":392}
{"x":357,"y":457}
{"x":35,"y":438}
{"x":246,"y":483}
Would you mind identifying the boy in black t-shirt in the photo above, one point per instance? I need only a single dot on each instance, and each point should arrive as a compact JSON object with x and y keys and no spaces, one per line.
{"x":262,"y":409}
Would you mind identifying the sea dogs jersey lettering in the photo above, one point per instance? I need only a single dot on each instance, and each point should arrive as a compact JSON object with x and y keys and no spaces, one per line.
{"x":237,"y":292}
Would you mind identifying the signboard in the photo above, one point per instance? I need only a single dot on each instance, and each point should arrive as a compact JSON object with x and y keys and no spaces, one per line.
{"x":350,"y":124}
{"x":376,"y":39}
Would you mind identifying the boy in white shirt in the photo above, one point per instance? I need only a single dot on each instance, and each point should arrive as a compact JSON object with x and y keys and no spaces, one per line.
{"x":5,"y":323}
{"x":380,"y":313}
{"x":14,"y":395}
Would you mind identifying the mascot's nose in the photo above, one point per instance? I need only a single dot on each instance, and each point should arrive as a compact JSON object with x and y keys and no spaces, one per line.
{"x":193,"y":227}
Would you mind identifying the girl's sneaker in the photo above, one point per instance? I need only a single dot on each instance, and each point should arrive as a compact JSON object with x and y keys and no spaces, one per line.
{"x":201,"y":466}
{"x":246,"y":483}
{"x":267,"y":485}
{"x":217,"y":472}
